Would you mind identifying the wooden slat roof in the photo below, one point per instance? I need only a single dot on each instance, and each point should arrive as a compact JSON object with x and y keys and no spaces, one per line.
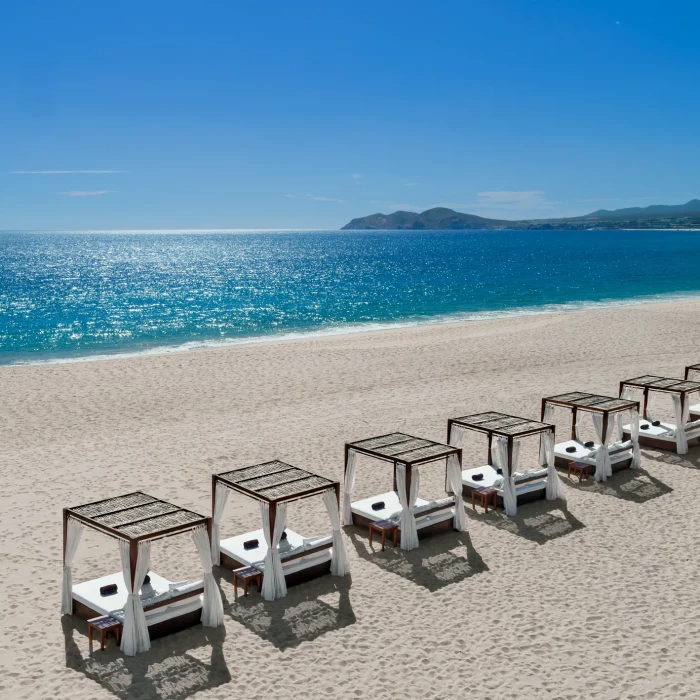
{"x":696,"y":367}
{"x":592,"y":402}
{"x":275,"y":481}
{"x":665,"y":384}
{"x":136,"y":516}
{"x":502,"y":424}
{"x":399,"y":447}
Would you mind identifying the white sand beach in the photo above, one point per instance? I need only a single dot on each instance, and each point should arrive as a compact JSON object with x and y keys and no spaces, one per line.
{"x":595,"y":598}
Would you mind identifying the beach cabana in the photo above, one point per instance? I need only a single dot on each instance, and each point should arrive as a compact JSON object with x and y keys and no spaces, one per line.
{"x":282,"y":555}
{"x":504,"y":434}
{"x":610,"y":451}
{"x":414,"y":516}
{"x":147,"y":605}
{"x":692,"y":372}
{"x":676,"y":436}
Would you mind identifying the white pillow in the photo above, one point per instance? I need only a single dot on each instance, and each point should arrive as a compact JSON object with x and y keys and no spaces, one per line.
{"x":177,"y":584}
{"x":498,"y":483}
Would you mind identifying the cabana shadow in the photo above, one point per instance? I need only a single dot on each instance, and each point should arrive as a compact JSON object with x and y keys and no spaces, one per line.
{"x":300,"y":616}
{"x":168,"y":671}
{"x":540,"y":521}
{"x":433,"y":565}
{"x":689,"y":461}
{"x":635,"y":485}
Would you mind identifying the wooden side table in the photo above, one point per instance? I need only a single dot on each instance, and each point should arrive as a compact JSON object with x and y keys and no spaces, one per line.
{"x":105,"y":625}
{"x":384,"y":527}
{"x":484,"y":493}
{"x":245,"y":576}
{"x":579,"y":469}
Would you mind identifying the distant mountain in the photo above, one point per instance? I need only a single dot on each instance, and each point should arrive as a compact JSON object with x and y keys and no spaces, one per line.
{"x":693,"y":206}
{"x":437,"y":218}
{"x":440,"y":218}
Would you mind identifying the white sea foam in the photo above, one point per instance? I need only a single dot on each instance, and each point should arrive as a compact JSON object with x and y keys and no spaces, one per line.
{"x":368,"y":327}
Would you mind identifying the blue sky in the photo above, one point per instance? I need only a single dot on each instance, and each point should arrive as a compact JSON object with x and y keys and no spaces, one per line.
{"x":307,"y":114}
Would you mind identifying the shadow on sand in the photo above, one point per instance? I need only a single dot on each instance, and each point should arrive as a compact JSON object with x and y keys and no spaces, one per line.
{"x":538,"y":521}
{"x":635,"y":485}
{"x":441,"y":559}
{"x":689,"y":461}
{"x":169,"y":671}
{"x":308,"y":611}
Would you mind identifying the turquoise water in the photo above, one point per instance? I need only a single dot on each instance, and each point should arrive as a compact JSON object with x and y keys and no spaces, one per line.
{"x":70,"y":295}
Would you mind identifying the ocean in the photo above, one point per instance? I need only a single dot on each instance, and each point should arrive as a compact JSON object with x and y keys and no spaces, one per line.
{"x":68,"y":296}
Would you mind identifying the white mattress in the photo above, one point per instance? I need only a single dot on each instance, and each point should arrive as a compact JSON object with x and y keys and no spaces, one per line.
{"x":233,"y":547}
{"x":587,"y":455}
{"x":392,"y":508}
{"x":490,"y":475}
{"x":695,"y":408}
{"x":88,"y":593}
{"x":665,"y":431}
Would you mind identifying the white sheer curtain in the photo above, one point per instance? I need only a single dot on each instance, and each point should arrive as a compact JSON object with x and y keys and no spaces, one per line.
{"x":221,"y":497}
{"x":681,"y":440}
{"x":74,"y":531}
{"x":339,"y":563}
{"x":555,"y":486}
{"x":457,"y":435}
{"x":348,"y":488}
{"x":454,"y":478}
{"x":547,"y":418}
{"x":212,"y":606}
{"x":409,"y":531}
{"x":636,"y":452}
{"x":274,"y":586}
{"x":499,"y":450}
{"x":603,"y":466}
{"x":135,"y":637}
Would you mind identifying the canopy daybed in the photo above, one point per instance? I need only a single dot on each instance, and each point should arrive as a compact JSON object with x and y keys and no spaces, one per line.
{"x":147,"y":605}
{"x":693,"y":372}
{"x":414,"y":516}
{"x":676,"y":436}
{"x":283,"y":556}
{"x":609,"y":452}
{"x":504,"y":433}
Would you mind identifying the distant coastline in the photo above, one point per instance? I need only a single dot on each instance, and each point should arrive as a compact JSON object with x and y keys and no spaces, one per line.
{"x":682,"y":217}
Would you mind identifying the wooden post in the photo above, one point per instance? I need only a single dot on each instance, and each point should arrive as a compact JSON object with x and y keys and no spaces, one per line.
{"x":449,"y":430}
{"x":542,"y":409}
{"x":337,"y":495}
{"x":646,"y":402}
{"x":574,"y":417}
{"x":510,"y":456}
{"x":273,"y":518}
{"x":395,"y":487}
{"x":408,"y":485}
{"x":622,"y":388}
{"x":65,"y":533}
{"x":488,"y":456}
{"x":682,"y":407}
{"x":606,"y":417}
{"x":133,"y":559}
{"x":213,"y":505}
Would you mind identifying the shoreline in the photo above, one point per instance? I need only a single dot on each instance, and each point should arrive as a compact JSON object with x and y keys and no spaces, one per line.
{"x":353,"y":329}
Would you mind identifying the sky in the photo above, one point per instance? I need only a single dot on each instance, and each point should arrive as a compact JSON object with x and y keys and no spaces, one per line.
{"x":239,"y":115}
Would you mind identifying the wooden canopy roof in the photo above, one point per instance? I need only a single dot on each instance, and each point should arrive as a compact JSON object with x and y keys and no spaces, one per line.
{"x":136,"y":516}
{"x":275,"y":482}
{"x":502,"y":424}
{"x":669,"y":386}
{"x":591,"y":402}
{"x":691,"y":368}
{"x":399,"y":447}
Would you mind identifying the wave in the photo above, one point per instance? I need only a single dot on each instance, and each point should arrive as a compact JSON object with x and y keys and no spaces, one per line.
{"x":368,"y":327}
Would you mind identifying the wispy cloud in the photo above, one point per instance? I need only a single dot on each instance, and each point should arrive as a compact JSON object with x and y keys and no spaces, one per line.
{"x":313,"y":197}
{"x":513,"y":199}
{"x":65,"y":172}
{"x":411,"y":184}
{"x":83,"y":193}
{"x":357,"y":176}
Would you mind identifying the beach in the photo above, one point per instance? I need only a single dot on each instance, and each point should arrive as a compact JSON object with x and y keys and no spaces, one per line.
{"x":595,"y":598}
